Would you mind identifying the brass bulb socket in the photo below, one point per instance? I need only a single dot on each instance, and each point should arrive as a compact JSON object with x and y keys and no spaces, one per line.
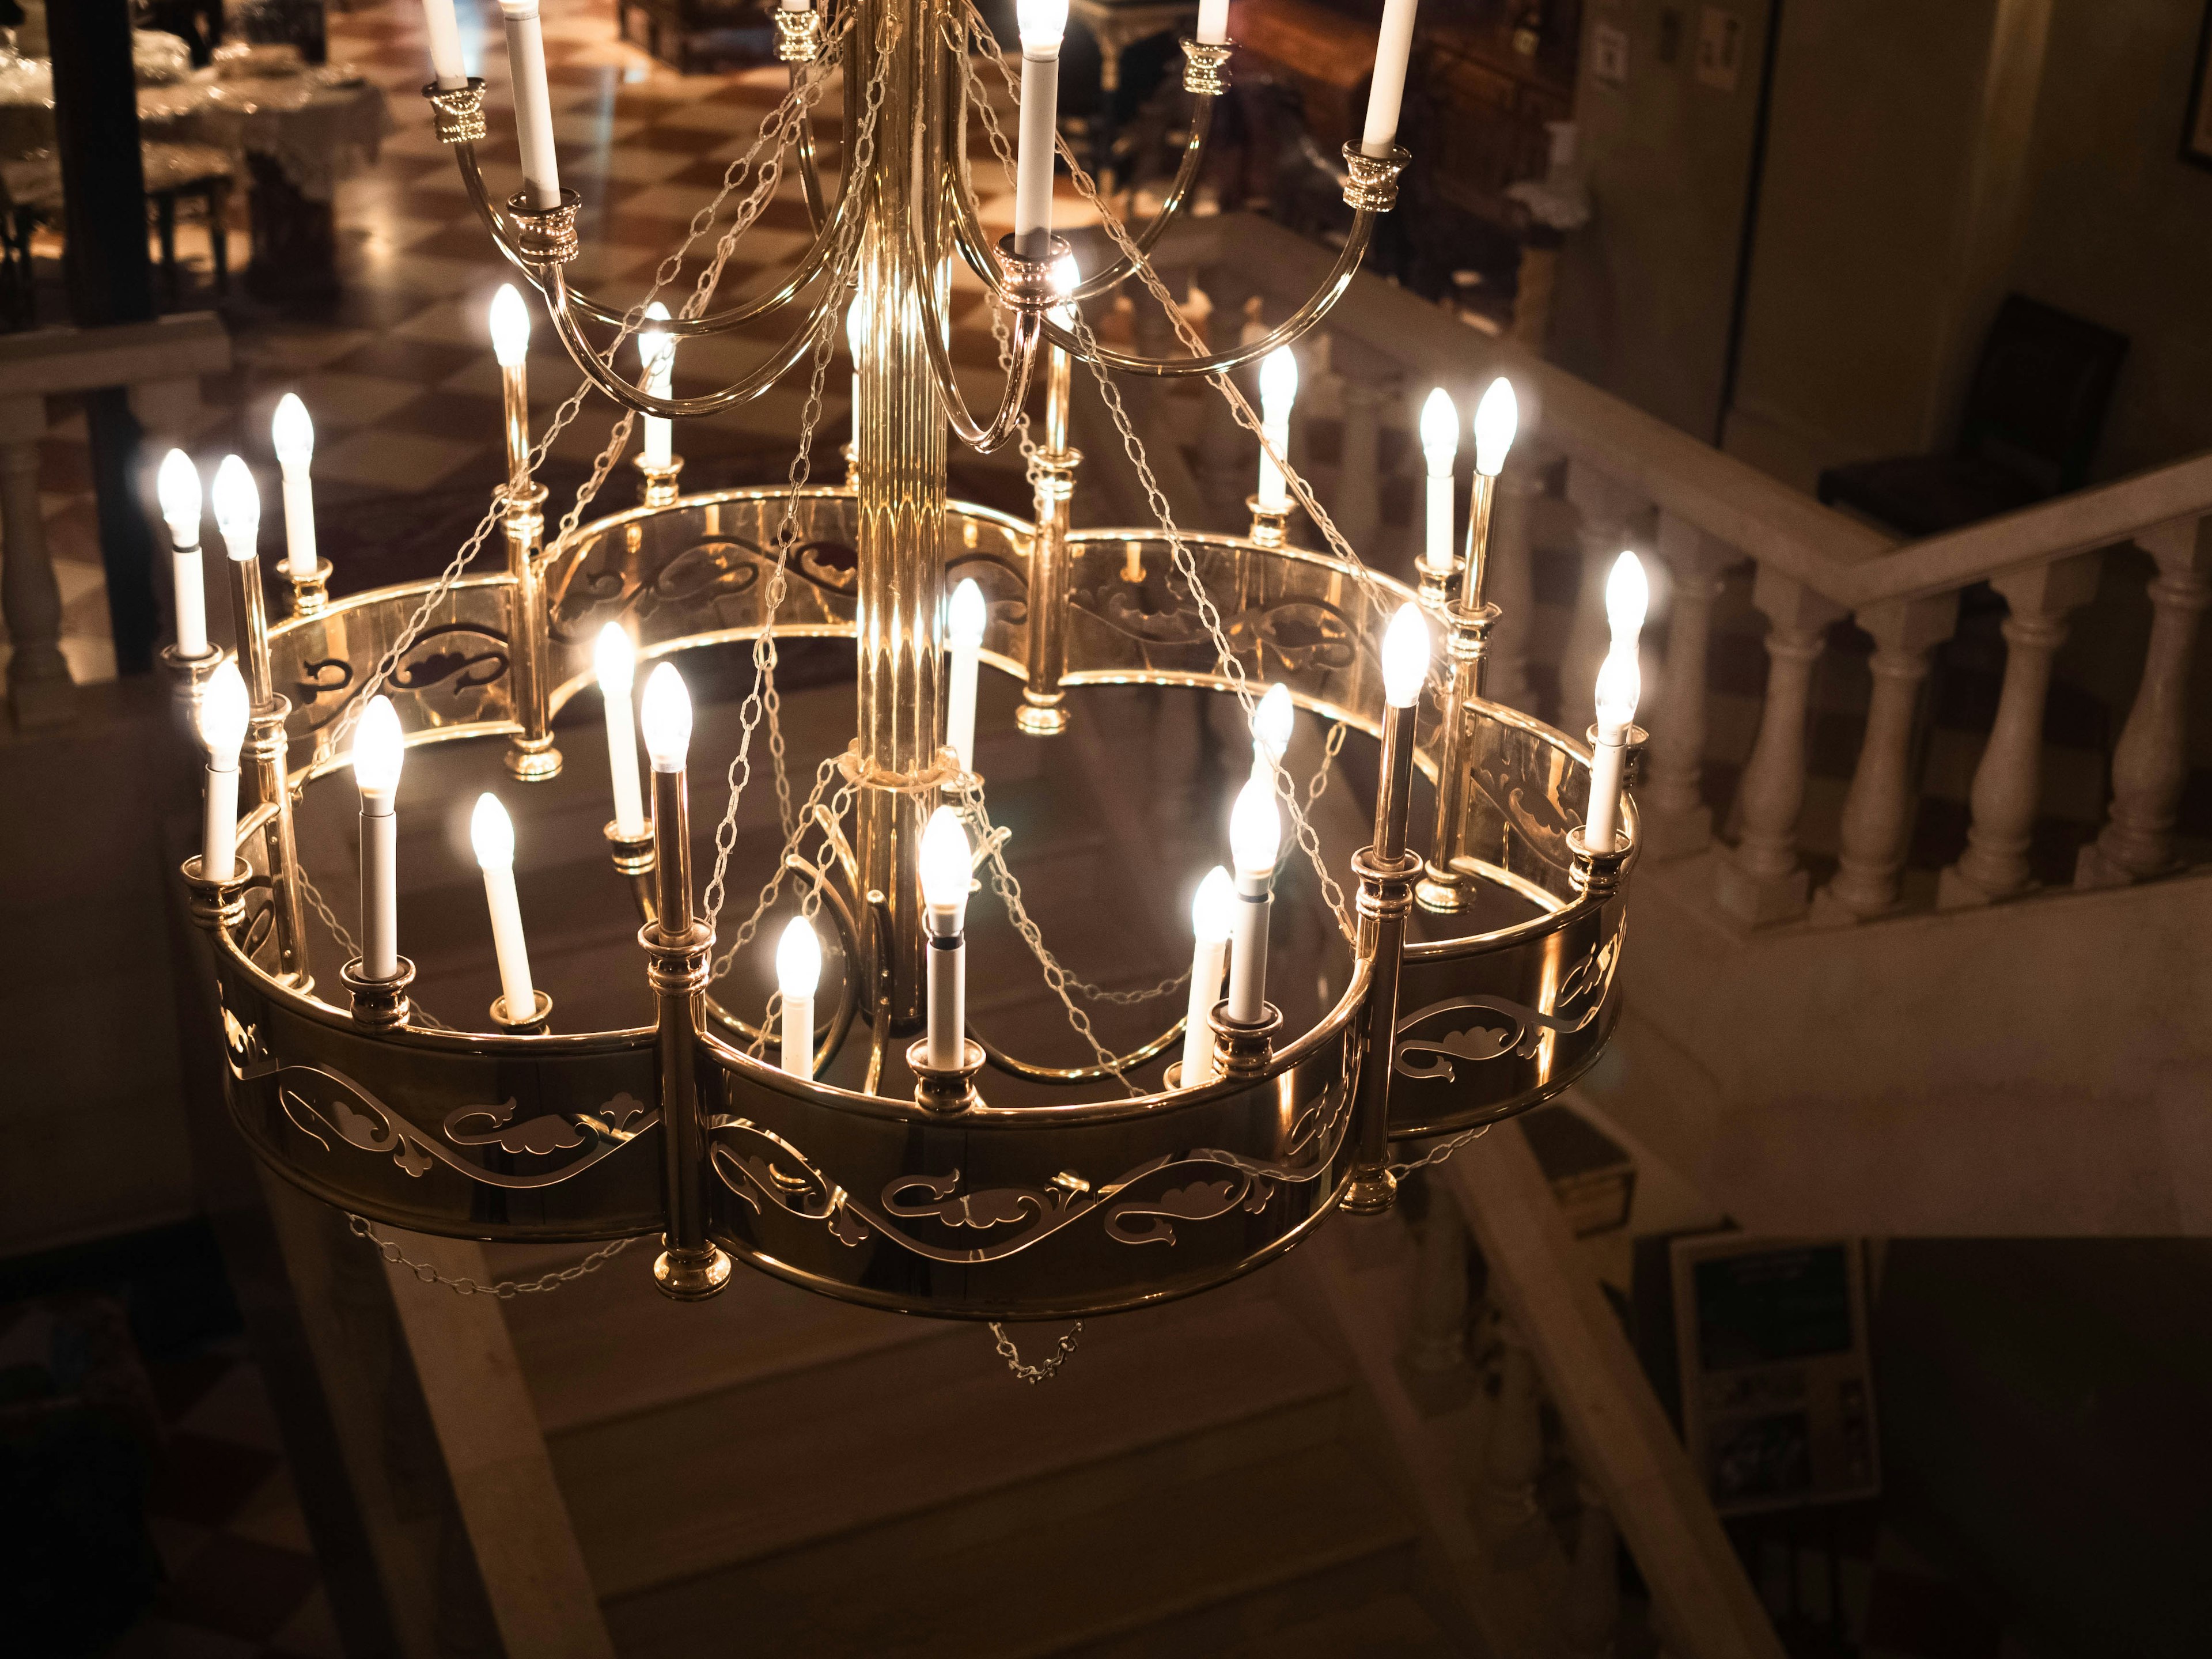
{"x":1270,"y":526}
{"x":945,"y":1089}
{"x":540,"y":1017}
{"x":797,"y":35}
{"x":633,"y":854}
{"x":378,"y":1005}
{"x":658,"y":488}
{"x":1033,"y":283}
{"x":1599,"y":874}
{"x":1242,"y":1050}
{"x":545,"y":236}
{"x":311,"y":593}
{"x":1633,"y":740}
{"x":457,"y":112}
{"x":1206,"y":67}
{"x":1372,"y":186}
{"x":217,"y":904}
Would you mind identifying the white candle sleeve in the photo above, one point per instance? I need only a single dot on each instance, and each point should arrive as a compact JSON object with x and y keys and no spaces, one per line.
{"x":1212,"y":22}
{"x":191,"y":600}
{"x":1441,"y":503}
{"x":506,"y":939}
{"x":621,"y":765}
{"x":219,"y":825}
{"x":948,"y":998}
{"x":1248,"y":950}
{"x":379,"y":889}
{"x":1608,"y":765}
{"x":659,"y":437}
{"x":1033,"y":159}
{"x":960,"y":704}
{"x":1274,"y":489}
{"x":447,"y":66}
{"x":533,"y":102}
{"x":1394,"y":45}
{"x":798,"y":1035}
{"x":299,"y":520}
{"x":1207,"y":961}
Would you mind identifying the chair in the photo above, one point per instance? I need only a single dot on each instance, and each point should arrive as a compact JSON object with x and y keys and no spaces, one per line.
{"x":2032,"y":417}
{"x":178,"y":171}
{"x":30,"y":195}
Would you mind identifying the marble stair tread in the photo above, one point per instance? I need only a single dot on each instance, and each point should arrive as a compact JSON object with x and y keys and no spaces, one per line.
{"x":610,"y":1346}
{"x":1223,"y":1539}
{"x":758,"y":1468}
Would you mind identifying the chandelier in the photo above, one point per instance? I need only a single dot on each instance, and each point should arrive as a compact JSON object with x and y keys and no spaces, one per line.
{"x":715,"y":1131}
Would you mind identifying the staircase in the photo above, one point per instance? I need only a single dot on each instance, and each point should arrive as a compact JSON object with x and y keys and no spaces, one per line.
{"x":797,"y":1477}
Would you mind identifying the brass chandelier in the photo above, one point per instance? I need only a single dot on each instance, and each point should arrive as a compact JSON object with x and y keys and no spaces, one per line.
{"x":702,"y":1127}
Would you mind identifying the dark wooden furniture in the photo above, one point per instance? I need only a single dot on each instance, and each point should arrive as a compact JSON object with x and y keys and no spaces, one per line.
{"x":2032,"y":421}
{"x":676,"y":31}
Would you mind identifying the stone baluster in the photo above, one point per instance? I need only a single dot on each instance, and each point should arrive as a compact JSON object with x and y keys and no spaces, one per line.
{"x":1438,"y":1345}
{"x":1607,"y":511}
{"x":1592,"y":1618}
{"x":1760,"y":881}
{"x":1358,"y":506}
{"x":2008,"y":782}
{"x":1877,"y":822}
{"x":1676,"y":820}
{"x":1513,"y":1450}
{"x":1510,"y":583}
{"x":39,"y":685}
{"x":2150,"y":765}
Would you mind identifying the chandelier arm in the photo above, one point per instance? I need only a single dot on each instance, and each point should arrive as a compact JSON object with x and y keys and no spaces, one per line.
{"x":809,"y":267}
{"x":602,"y":375}
{"x":982,"y":436}
{"x":1171,"y":208}
{"x":810,"y":176}
{"x":848,"y":994}
{"x":999,"y":1058}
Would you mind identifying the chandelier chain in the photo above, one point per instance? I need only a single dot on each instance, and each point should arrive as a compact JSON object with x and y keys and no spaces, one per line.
{"x":1437,"y":1153}
{"x":1046,"y":1369}
{"x":505,"y":1290}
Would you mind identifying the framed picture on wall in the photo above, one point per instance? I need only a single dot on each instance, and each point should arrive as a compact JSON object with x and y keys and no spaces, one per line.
{"x":2196,"y":130}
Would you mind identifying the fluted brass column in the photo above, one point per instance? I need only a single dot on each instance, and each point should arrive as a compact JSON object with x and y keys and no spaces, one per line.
{"x":1044,"y":709}
{"x":901,"y":445}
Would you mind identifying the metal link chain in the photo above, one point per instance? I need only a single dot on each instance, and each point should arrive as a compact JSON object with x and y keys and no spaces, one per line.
{"x":506,"y":1289}
{"x":1045,"y":1370}
{"x":1437,"y":1153}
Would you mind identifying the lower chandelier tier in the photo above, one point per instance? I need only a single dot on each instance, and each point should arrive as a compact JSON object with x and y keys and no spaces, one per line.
{"x":983,"y":1212}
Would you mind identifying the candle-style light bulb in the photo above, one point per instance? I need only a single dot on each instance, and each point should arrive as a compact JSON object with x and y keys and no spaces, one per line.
{"x":664,"y":713}
{"x":1619,"y":686}
{"x":377,"y":755}
{"x":1256,"y":840}
{"x":1213,"y":921}
{"x":224,"y":712}
{"x":656,"y":349}
{"x":178,"y":487}
{"x":292,"y":435}
{"x":1627,"y":597}
{"x":1405,"y":656}
{"x":614,"y":661}
{"x":943,"y":866}
{"x":1386,"y":86}
{"x":533,"y":103}
{"x":1497,"y":417}
{"x":1212,"y":22}
{"x":1041,"y":24}
{"x":798,"y":975}
{"x":1278,"y":390}
{"x":510,"y":326}
{"x":444,"y":29}
{"x":1440,"y":445}
{"x":1273,"y":724}
{"x":966,"y":619}
{"x":237,"y":502}
{"x":491,"y":835}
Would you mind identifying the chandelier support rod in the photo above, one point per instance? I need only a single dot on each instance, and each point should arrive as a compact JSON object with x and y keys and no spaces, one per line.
{"x":1044,"y":704}
{"x":265,"y":748}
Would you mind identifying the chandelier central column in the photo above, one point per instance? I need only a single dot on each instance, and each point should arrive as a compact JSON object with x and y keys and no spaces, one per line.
{"x":900,"y":426}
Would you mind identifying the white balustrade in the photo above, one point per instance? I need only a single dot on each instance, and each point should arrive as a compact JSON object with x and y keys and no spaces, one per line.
{"x":2150,"y":764}
{"x":2008,"y":785}
{"x":40,"y":689}
{"x":1760,"y":881}
{"x":1513,"y":1450}
{"x":1676,"y":820}
{"x":1356,"y":503}
{"x":1591,"y":1618}
{"x":1877,"y":824}
{"x":1438,"y":1346}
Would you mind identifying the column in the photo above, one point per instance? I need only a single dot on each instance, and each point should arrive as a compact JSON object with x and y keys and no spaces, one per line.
{"x":1513,"y":1450}
{"x":2008,"y":783}
{"x":1437,"y":1347}
{"x":2151,"y":763}
{"x":1676,"y":820}
{"x":1358,"y":507}
{"x":1759,"y":882}
{"x":1608,"y":510}
{"x":40,"y":689}
{"x":1877,"y":822}
{"x":1510,"y":583}
{"x":901,"y":437}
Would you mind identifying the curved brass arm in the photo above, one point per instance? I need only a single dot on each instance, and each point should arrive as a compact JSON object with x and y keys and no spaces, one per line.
{"x":981,"y":436}
{"x":810,"y":179}
{"x":801,"y":275}
{"x":848,"y":994}
{"x":1006,"y":1062}
{"x":603,"y":376}
{"x":1186,"y":181}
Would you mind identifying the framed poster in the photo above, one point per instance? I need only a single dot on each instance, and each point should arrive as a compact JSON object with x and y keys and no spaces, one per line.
{"x":2196,"y":130}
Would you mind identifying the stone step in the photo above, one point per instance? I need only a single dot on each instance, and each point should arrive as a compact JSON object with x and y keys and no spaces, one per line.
{"x":1189,"y":1549}
{"x":803,"y":1452}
